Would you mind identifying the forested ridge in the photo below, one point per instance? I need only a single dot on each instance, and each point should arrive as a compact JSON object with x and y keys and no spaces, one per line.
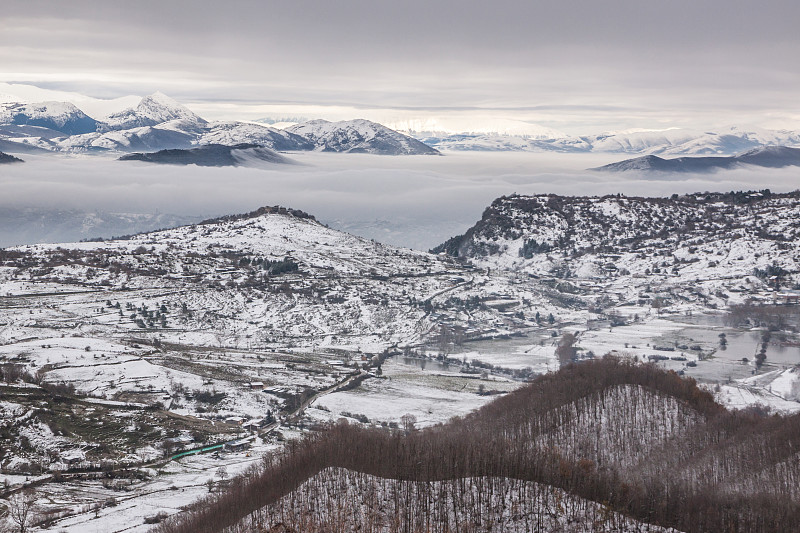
{"x":622,"y":438}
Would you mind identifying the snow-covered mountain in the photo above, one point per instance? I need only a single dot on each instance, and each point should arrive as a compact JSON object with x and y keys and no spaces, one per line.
{"x":159,"y":122}
{"x":231,"y":133}
{"x":63,"y":117}
{"x":155,"y":109}
{"x":498,"y":142}
{"x":359,"y":136}
{"x":727,"y":141}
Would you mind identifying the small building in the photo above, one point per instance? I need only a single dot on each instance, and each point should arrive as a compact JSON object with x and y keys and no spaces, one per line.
{"x":239,"y":445}
{"x":256,"y":385}
{"x":254,"y":425}
{"x":788,"y":297}
{"x":180,"y":441}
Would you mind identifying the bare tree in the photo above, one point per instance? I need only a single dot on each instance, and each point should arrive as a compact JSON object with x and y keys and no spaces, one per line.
{"x":22,"y":509}
{"x":408,"y":421}
{"x":566,"y":350}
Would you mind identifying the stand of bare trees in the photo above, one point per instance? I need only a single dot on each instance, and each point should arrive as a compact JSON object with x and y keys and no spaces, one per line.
{"x":684,"y":461}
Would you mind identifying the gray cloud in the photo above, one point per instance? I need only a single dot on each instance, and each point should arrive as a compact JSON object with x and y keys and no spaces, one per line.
{"x":684,"y":61}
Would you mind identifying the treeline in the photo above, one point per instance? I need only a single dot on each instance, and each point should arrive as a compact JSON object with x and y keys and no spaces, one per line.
{"x":684,"y":461}
{"x":343,"y":501}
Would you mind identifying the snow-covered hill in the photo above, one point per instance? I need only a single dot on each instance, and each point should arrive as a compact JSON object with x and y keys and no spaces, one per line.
{"x":59,"y":116}
{"x":144,"y":138}
{"x":697,"y":236}
{"x":358,"y":136}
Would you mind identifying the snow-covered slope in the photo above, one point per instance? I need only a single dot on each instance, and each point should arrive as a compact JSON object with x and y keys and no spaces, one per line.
{"x":358,"y":136}
{"x":231,"y":133}
{"x":698,"y":236}
{"x":273,"y":232}
{"x":152,"y":110}
{"x":60,"y":116}
{"x":144,"y":138}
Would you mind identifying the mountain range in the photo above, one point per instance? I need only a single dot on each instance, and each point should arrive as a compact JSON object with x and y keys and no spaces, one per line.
{"x":160,"y":123}
{"x":727,"y":141}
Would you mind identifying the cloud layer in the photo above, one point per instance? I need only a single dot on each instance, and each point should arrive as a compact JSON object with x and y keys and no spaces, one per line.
{"x":413,"y":201}
{"x":574,"y":65}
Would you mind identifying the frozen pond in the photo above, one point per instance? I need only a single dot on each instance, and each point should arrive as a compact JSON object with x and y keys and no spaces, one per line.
{"x":535,"y":350}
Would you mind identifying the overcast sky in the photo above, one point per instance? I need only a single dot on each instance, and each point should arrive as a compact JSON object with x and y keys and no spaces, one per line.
{"x":577,"y":66}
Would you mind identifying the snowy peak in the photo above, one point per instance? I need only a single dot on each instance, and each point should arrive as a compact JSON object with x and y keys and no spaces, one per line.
{"x":63,"y":117}
{"x":271,"y":232}
{"x":358,"y":136}
{"x":155,"y":109}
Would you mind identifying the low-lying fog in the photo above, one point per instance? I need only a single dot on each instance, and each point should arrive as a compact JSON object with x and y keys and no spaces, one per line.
{"x":414,"y":201}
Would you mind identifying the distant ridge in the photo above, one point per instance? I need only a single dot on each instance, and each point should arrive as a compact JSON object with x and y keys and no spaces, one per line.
{"x":767,"y":156}
{"x":211,"y":155}
{"x":6,"y":158}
